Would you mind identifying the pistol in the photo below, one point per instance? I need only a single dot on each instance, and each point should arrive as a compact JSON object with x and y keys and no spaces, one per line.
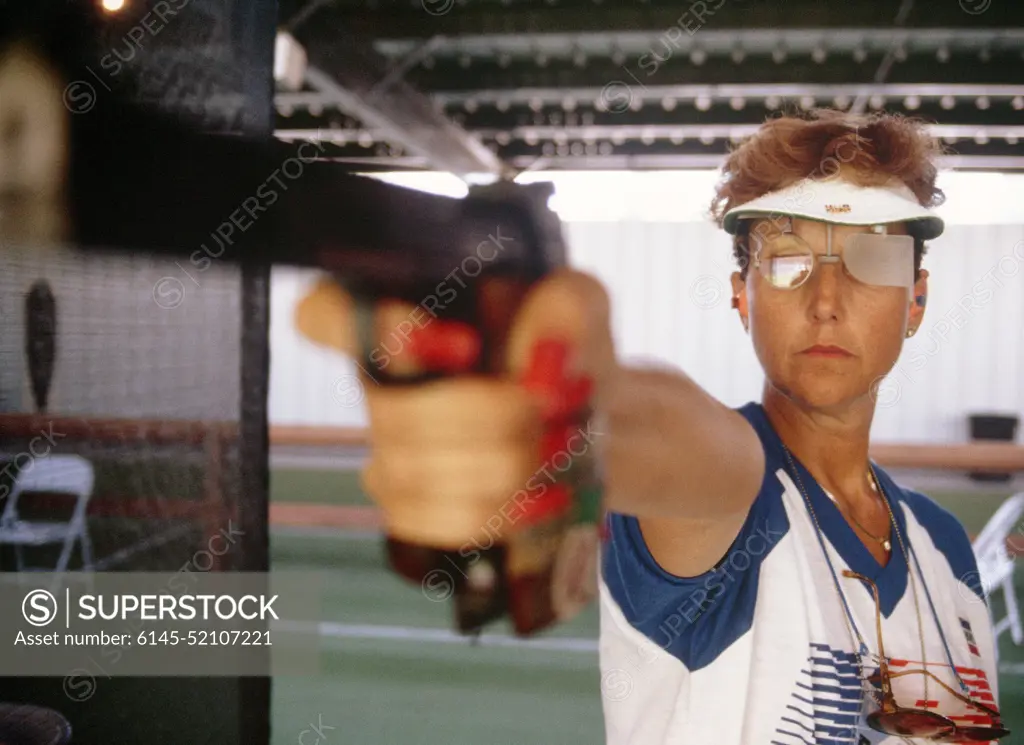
{"x":127,"y":178}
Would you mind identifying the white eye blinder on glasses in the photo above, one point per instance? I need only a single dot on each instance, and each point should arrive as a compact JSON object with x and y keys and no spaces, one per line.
{"x":877,"y":259}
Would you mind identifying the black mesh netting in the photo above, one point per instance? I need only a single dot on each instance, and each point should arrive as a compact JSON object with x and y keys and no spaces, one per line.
{"x":151,"y":372}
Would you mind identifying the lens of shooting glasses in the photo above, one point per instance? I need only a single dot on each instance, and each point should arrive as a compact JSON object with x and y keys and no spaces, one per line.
{"x":911,"y":723}
{"x":786,"y":261}
{"x":882,"y":260}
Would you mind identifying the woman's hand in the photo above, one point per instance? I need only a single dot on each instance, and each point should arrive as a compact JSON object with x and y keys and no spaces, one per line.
{"x":449,"y":457}
{"x":451,"y":460}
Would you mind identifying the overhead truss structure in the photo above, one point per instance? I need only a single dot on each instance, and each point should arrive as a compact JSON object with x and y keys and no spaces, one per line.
{"x":584,"y":84}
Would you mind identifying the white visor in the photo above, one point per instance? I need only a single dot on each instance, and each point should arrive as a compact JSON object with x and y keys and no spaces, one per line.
{"x":842,"y":203}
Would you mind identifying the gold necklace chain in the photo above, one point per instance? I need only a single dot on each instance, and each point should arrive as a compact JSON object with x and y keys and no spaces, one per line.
{"x":855,"y":635}
{"x":886,"y":543}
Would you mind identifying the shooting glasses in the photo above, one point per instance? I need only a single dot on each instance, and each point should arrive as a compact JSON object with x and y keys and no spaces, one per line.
{"x":787,"y":261}
{"x":875,"y":258}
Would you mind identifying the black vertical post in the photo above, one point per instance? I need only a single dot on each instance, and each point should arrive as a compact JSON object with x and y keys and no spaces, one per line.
{"x":254,"y":26}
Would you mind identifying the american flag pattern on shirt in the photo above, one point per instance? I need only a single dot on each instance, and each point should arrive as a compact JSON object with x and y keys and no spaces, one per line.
{"x":978,"y":689}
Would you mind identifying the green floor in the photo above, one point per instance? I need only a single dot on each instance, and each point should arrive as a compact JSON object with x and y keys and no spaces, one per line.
{"x":383,"y":691}
{"x":377,"y":692}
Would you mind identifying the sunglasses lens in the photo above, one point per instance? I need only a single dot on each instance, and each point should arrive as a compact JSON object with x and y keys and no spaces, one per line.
{"x":911,"y":723}
{"x":978,"y":734}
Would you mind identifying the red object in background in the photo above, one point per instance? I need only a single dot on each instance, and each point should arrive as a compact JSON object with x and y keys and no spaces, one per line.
{"x":445,"y":346}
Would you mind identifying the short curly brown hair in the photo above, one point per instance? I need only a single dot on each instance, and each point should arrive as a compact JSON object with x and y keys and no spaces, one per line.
{"x":869,"y":149}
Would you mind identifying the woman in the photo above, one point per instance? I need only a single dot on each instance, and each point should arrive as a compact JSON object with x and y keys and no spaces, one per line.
{"x":749,"y":614}
{"x":762,"y":581}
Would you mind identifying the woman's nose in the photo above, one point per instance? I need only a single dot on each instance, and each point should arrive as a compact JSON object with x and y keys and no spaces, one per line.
{"x":825,"y":286}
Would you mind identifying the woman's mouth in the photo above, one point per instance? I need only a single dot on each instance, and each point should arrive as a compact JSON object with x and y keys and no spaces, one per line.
{"x":826,"y":350}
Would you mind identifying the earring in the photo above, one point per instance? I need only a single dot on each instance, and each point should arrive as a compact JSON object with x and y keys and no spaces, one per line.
{"x":735,"y":302}
{"x":910,"y":332}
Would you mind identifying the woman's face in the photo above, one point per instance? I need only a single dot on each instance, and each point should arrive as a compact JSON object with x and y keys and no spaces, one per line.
{"x":867,"y":323}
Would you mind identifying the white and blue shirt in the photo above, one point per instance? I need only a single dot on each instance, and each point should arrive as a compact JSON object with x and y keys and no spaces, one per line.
{"x":760,"y":651}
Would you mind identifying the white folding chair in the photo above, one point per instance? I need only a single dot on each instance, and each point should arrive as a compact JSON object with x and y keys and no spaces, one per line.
{"x":63,"y":474}
{"x":995,"y":564}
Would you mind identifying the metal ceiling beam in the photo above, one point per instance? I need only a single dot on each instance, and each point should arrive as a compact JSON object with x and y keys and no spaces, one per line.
{"x":712,"y":131}
{"x":451,"y":74}
{"x":664,"y":162}
{"x":638,"y":91}
{"x":410,"y":20}
{"x":714,"y":161}
{"x":754,"y":41}
{"x":353,"y":77}
{"x":483,"y":122}
{"x":707,"y":133}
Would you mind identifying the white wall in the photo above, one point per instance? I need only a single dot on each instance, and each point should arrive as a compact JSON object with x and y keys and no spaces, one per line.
{"x":669,"y":284}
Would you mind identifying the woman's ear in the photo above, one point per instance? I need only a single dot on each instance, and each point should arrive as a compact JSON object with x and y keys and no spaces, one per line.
{"x":918,"y":302}
{"x":739,"y":299}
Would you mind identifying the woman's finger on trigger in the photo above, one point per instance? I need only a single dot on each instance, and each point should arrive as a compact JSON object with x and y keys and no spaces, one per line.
{"x":326,"y":316}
